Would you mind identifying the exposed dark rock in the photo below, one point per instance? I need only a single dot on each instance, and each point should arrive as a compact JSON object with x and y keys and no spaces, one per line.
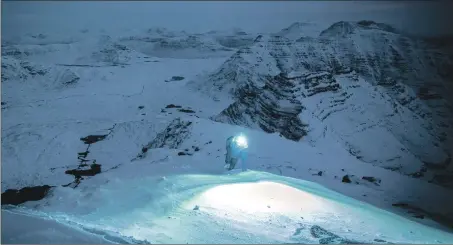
{"x":327,"y":237}
{"x":346,"y":179}
{"x":271,"y":108}
{"x":181,"y":153}
{"x":16,"y":197}
{"x":186,"y":110}
{"x":91,"y":139}
{"x":371,"y":179}
{"x":379,"y":240}
{"x":94,"y":170}
{"x":75,"y":183}
{"x":173,"y":106}
{"x":83,"y":154}
{"x":177,"y":78}
{"x":141,"y":107}
{"x":400,"y":204}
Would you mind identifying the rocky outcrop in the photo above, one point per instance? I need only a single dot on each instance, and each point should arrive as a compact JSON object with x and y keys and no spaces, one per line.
{"x":22,"y":71}
{"x":171,"y":137}
{"x":33,"y":193}
{"x":66,"y":77}
{"x":109,"y":52}
{"x":15,"y":69}
{"x":299,"y":30}
{"x":271,"y":108}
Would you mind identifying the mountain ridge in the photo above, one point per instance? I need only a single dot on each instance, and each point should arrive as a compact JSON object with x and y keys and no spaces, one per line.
{"x":391,"y":75}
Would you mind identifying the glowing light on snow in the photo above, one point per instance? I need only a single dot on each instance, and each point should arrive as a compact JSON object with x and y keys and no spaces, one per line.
{"x":241,"y":141}
{"x":261,"y":197}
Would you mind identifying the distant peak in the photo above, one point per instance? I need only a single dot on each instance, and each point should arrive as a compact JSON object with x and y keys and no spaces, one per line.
{"x":259,"y":38}
{"x":343,"y":28}
{"x":374,"y":25}
{"x":366,"y":23}
{"x":295,"y":26}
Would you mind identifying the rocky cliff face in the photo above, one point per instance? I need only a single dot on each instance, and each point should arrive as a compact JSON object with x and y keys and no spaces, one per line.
{"x":383,"y":95}
{"x":270,"y":108}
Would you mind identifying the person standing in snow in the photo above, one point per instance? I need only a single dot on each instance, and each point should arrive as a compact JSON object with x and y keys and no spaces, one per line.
{"x":236,"y":147}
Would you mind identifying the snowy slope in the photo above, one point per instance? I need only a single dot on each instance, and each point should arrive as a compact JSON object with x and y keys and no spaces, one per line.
{"x":252,"y":207}
{"x":143,"y":198}
{"x":44,"y":231}
{"x":129,"y":147}
{"x":359,"y":80}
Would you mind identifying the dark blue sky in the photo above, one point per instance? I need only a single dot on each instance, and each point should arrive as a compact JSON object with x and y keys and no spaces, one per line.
{"x":421,"y":17}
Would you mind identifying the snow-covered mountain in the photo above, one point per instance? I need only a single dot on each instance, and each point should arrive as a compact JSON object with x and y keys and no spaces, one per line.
{"x":359,"y":80}
{"x":299,"y":30}
{"x":99,"y":50}
{"x":123,"y":136}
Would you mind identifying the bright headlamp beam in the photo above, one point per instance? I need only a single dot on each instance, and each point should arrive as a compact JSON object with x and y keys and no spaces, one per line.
{"x":241,"y":141}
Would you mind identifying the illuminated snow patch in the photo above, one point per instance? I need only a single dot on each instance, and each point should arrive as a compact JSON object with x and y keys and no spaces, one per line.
{"x":261,"y":197}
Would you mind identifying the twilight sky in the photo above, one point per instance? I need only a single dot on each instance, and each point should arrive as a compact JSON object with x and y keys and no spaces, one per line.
{"x":418,"y":17}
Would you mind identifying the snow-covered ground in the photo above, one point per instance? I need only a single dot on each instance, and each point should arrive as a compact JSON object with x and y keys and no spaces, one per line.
{"x":162,"y":178}
{"x":249,"y":207}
